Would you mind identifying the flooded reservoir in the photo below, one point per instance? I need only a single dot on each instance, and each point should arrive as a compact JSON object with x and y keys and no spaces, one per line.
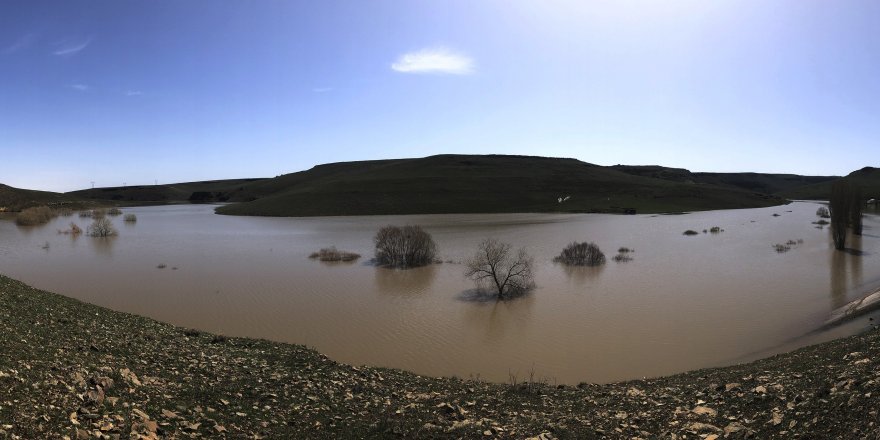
{"x":683,"y":302}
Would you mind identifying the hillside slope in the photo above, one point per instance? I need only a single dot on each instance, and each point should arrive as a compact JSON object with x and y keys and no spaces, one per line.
{"x":868,"y":178}
{"x":16,"y":199}
{"x":482,"y":184}
{"x":232,"y":190}
{"x":757,"y":182}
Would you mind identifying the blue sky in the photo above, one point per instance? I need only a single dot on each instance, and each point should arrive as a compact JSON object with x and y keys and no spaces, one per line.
{"x":136,"y":91}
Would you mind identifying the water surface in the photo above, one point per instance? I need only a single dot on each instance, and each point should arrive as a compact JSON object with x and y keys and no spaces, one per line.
{"x":682,"y":303}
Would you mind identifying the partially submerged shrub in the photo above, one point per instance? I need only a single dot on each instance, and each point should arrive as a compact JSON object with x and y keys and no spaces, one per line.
{"x":333,"y":254}
{"x":691,"y":232}
{"x":114,"y":211}
{"x":716,"y":230}
{"x":781,"y":248}
{"x":625,"y":250}
{"x":74,"y":230}
{"x":821,"y":221}
{"x":34,"y":216}
{"x":402,"y":247}
{"x":581,"y":254}
{"x":85,"y":214}
{"x":823,"y":212}
{"x":622,"y":258}
{"x":65,"y":212}
{"x":129,"y":218}
{"x":101,"y":227}
{"x":99,"y":213}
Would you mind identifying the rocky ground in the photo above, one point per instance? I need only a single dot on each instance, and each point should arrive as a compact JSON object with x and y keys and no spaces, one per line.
{"x":74,"y":370}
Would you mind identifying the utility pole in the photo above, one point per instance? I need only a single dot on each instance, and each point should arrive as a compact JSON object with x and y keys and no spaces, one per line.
{"x":93,"y":185}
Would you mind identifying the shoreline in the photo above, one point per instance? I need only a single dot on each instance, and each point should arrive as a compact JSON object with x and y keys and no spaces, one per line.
{"x":78,"y":370}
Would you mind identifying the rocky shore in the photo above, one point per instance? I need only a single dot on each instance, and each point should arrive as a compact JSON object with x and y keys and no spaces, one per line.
{"x":73,"y":370}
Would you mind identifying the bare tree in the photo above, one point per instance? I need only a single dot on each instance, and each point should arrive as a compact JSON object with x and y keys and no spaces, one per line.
{"x":407,"y":246}
{"x":101,"y":227}
{"x":581,"y":254}
{"x":857,"y":205}
{"x":495,"y":267}
{"x":839,"y":205}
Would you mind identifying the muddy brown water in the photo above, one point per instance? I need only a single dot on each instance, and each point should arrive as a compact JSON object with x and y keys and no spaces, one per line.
{"x":681,"y":303}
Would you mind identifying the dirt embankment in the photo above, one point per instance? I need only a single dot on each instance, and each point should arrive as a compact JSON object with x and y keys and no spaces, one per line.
{"x":70,"y":369}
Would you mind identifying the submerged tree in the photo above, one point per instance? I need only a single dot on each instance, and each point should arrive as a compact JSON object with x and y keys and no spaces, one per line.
{"x":495,"y":267}
{"x":857,"y":205}
{"x":403,"y":247}
{"x":839,"y":205}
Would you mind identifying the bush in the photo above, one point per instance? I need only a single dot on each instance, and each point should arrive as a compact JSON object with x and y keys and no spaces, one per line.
{"x":333,"y":254}
{"x":494,"y":267}
{"x":625,"y":250}
{"x":34,"y":216}
{"x":781,"y":248}
{"x":129,"y":218}
{"x":823,"y":212}
{"x":403,"y":247}
{"x":85,"y":214}
{"x":99,"y":213}
{"x":101,"y":227}
{"x":716,"y":230}
{"x":581,"y":254}
{"x":691,"y":232}
{"x":821,"y":221}
{"x":622,"y":258}
{"x":74,"y":230}
{"x":114,"y":211}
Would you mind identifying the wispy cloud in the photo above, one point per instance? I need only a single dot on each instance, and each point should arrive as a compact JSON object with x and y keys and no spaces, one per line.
{"x":79,"y":87}
{"x":19,"y":44}
{"x":133,"y":93}
{"x":434,"y":60}
{"x":71,"y":47}
{"x":322,"y":89}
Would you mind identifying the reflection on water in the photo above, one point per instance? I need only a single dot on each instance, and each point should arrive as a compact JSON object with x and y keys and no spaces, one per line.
{"x":682,"y":303}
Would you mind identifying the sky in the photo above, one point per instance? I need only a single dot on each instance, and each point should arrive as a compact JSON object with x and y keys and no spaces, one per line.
{"x":137,"y":92}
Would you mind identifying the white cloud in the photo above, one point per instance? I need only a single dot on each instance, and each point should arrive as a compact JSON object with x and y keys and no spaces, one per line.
{"x":79,"y":87}
{"x":19,"y":44}
{"x":434,"y":60}
{"x":68,"y":48}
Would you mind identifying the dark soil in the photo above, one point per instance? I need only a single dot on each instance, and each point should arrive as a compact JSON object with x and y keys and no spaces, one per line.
{"x":74,"y":370}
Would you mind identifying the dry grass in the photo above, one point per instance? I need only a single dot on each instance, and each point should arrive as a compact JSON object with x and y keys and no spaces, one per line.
{"x":74,"y":230}
{"x":34,"y":216}
{"x":333,"y":254}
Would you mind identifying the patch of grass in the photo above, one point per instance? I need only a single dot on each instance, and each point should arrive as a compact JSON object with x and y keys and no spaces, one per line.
{"x":333,"y":254}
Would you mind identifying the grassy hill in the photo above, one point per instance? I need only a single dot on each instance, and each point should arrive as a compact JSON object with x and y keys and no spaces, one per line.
{"x":482,"y":184}
{"x":16,"y":199}
{"x":868,"y":178}
{"x":233,"y":190}
{"x":757,"y":182}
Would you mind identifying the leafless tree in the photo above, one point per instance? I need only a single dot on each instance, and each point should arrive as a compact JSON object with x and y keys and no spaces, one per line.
{"x":857,"y":206}
{"x":101,"y":227}
{"x":402,"y":247}
{"x":495,"y":267}
{"x":839,"y":205}
{"x":581,"y":254}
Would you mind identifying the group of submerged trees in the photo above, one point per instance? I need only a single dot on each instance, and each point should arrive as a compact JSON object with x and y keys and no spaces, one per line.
{"x":495,"y":266}
{"x":100,"y":226}
{"x":845,"y":209}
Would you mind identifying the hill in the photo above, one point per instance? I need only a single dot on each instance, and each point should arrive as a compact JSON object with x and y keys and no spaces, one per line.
{"x":232,"y":190}
{"x":868,"y":178}
{"x":16,"y":199}
{"x":483,"y":184}
{"x":757,"y":182}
